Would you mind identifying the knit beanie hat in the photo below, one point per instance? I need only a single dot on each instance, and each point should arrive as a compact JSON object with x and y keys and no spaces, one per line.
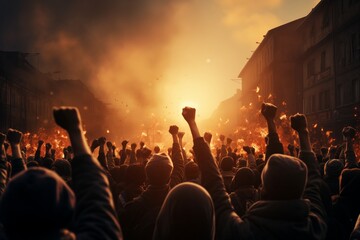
{"x":333,"y":168}
{"x":37,"y":201}
{"x":349,"y":183}
{"x":243,"y":177}
{"x":158,"y":169}
{"x":63,"y":168}
{"x":227,"y":163}
{"x":283,"y":178}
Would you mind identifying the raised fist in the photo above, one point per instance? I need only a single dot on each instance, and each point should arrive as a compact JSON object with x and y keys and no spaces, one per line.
{"x":124,"y":143}
{"x":207,"y":137}
{"x":2,"y":138}
{"x":222,"y":138}
{"x":298,"y":122}
{"x":40,"y":143}
{"x":247,"y":149}
{"x":268,"y":110}
{"x":181,"y":134}
{"x":142,"y":144}
{"x":109,"y":145}
{"x":53,"y":152}
{"x":68,"y":118}
{"x":173,"y":130}
{"x":102,"y":141}
{"x":70,"y":149}
{"x":228,"y":141}
{"x":291,"y":147}
{"x":48,"y":146}
{"x":133,"y":146}
{"x":14,"y":136}
{"x":95,"y":143}
{"x":349,"y":132}
{"x":189,"y":114}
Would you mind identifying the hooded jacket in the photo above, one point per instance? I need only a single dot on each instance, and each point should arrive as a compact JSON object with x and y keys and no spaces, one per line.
{"x":179,"y":216}
{"x":293,"y":219}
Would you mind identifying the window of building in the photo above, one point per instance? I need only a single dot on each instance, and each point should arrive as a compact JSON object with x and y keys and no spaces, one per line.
{"x":311,"y":68}
{"x":356,"y":90}
{"x":313,"y":103}
{"x":323,"y":61}
{"x":342,"y":54}
{"x":340,"y":96}
{"x":327,"y":99}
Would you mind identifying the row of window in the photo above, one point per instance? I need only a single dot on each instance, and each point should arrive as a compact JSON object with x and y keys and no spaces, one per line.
{"x":345,"y":94}
{"x":318,"y":103}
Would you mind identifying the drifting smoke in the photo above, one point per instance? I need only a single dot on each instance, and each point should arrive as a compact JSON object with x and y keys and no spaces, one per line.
{"x":118,"y":48}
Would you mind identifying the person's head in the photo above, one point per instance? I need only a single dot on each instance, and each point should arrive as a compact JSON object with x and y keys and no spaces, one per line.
{"x":63,"y":168}
{"x":244,"y":177}
{"x":187,"y":213}
{"x":324,"y":151}
{"x":349,"y":184}
{"x":283,"y":178}
{"x":36,"y":204}
{"x":227,"y":164}
{"x":242,"y":162}
{"x":156,"y":149}
{"x":135,"y":174}
{"x":47,"y":162}
{"x":158,"y":169}
{"x":333,"y":168}
{"x":191,"y":171}
{"x":31,"y":164}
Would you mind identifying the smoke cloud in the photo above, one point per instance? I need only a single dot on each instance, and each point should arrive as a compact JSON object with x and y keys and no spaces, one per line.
{"x":118,"y":48}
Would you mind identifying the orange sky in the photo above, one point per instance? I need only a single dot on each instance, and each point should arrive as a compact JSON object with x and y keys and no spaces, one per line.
{"x":214,"y":39}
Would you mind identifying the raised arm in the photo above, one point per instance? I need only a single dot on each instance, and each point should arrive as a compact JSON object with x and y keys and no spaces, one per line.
{"x":274,"y":145}
{"x":14,"y":138}
{"x":102,"y":156}
{"x":95,"y":216}
{"x":349,"y":134}
{"x":211,"y":179}
{"x":314,"y":181}
{"x":38,"y":151}
{"x":177,"y":174}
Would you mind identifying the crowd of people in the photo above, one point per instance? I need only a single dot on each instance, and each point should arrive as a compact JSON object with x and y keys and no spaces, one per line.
{"x":90,"y":193}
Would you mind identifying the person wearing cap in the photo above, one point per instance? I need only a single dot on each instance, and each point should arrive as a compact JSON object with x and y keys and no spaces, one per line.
{"x":282,"y":212}
{"x":38,"y":204}
{"x":162,"y":173}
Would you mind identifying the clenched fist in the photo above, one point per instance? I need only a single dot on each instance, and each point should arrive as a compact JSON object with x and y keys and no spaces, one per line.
{"x":173,"y":130}
{"x":68,"y":118}
{"x":298,"y":122}
{"x":268,"y":110}
{"x":14,"y":136}
{"x":189,"y":114}
{"x":207,"y":137}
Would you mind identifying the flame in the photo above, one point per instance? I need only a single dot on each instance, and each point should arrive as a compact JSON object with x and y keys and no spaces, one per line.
{"x":283,"y":117}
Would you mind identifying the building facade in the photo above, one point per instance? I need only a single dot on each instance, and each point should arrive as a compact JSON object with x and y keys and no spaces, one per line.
{"x":321,"y":75}
{"x":273,"y":73}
